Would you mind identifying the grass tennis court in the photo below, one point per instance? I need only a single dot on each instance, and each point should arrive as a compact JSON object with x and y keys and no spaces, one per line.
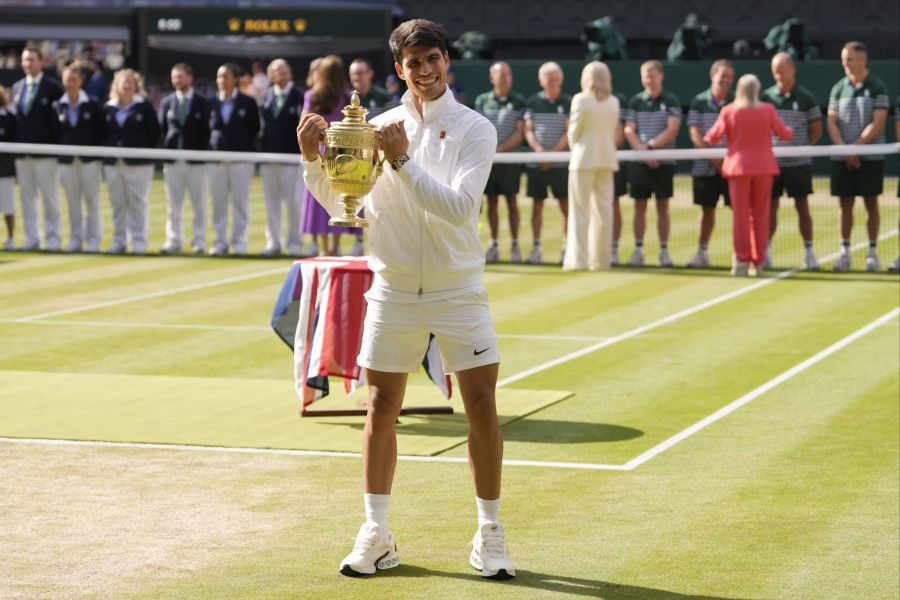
{"x":793,"y":493}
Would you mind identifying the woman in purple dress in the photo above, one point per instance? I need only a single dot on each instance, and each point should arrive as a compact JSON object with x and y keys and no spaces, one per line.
{"x":327,"y":97}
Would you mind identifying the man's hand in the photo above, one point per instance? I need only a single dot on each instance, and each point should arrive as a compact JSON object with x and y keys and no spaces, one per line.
{"x":393,"y":141}
{"x":717,"y":163}
{"x":309,"y":134}
{"x":852,"y":162}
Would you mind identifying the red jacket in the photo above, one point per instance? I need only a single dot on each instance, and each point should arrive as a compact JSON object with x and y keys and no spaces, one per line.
{"x":749,"y":132}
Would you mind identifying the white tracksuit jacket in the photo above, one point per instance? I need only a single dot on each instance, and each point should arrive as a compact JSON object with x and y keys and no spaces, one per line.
{"x":423,"y":219}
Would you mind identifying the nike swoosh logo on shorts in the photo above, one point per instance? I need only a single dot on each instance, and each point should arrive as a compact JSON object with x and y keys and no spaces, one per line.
{"x":477,"y":352}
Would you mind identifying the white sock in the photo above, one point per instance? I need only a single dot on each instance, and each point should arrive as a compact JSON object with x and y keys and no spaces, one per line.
{"x":377,"y":511}
{"x":488,"y":511}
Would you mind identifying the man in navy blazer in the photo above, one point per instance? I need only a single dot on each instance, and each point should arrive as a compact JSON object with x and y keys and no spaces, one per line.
{"x":36,"y":123}
{"x":184,"y":119}
{"x":279,"y":114}
{"x":234,"y":126}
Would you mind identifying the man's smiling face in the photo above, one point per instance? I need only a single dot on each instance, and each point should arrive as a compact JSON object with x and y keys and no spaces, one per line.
{"x":425,"y":71}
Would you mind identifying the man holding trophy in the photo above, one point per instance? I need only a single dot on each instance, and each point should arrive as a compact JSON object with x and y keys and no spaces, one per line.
{"x":428,"y":264}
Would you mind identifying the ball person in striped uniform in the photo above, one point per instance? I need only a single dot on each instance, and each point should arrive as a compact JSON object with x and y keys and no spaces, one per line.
{"x":234,"y":124}
{"x":130,"y":123}
{"x":546,"y":122}
{"x":36,"y":123}
{"x":800,"y":111}
{"x":184,"y":118}
{"x":706,"y":175}
{"x":654,"y":117}
{"x":279,"y":114}
{"x":81,"y":123}
{"x":505,"y":109}
{"x":857,"y":114}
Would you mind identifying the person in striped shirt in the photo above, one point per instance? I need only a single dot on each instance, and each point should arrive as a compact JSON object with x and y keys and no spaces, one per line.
{"x":857,"y":114}
{"x":895,"y":266}
{"x":708,"y":183}
{"x":800,"y":111}
{"x":546,"y":122}
{"x":505,"y":109}
{"x":654,"y":117}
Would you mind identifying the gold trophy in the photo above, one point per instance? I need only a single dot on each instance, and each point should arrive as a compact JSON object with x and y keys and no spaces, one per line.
{"x":351,"y":161}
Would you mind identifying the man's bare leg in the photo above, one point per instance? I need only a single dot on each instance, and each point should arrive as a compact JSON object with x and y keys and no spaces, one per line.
{"x":478,"y":388}
{"x":386,"y":391}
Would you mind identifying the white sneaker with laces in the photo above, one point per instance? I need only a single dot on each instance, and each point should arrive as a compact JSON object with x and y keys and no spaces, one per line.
{"x":637,"y":258}
{"x":535,"y":256}
{"x":664,"y":259}
{"x":700,"y":260}
{"x":872,"y":264}
{"x":492,"y":254}
{"x":490,"y":554}
{"x":515,"y":254}
{"x":371,"y":552}
{"x":811,"y":262}
{"x":843,"y":261}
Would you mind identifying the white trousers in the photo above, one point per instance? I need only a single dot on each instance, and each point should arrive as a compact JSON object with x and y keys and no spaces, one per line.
{"x":39,"y":174}
{"x":182,"y":176}
{"x":129,"y":186}
{"x":282,"y":184}
{"x":589,"y":229}
{"x":7,"y":195}
{"x":231,"y":181}
{"x":81,"y":180}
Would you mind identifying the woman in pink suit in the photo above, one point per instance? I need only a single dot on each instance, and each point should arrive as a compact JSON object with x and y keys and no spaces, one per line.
{"x":749,"y":166}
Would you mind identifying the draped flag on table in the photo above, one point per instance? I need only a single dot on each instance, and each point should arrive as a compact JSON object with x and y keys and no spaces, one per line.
{"x":320,"y":313}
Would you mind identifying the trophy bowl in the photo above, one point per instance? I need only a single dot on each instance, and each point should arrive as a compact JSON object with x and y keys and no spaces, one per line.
{"x":351,"y":161}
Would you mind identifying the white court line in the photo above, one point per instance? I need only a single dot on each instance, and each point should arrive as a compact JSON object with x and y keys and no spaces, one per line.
{"x":750,"y":396}
{"x":150,"y":295}
{"x":671,"y":318}
{"x":630,"y":465}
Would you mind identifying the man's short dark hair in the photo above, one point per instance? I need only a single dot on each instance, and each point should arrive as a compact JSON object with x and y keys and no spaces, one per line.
{"x":33,"y":50}
{"x":234,"y":69}
{"x":362,"y":61}
{"x":184,"y":68}
{"x":417,"y":32}
{"x":856,"y":47}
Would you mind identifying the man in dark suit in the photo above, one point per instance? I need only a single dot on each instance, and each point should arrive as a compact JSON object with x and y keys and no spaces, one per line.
{"x":37,"y":123}
{"x":279,"y":114}
{"x":234,"y":125}
{"x":184,"y":118}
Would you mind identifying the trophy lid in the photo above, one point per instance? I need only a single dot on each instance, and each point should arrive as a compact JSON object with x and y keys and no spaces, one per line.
{"x":354,"y":116}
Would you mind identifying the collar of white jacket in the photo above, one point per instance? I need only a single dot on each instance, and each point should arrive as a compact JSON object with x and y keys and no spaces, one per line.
{"x":432,"y":109}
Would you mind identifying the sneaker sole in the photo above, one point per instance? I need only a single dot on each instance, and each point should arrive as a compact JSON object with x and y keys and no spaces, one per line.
{"x":381,"y":564}
{"x":500,"y":575}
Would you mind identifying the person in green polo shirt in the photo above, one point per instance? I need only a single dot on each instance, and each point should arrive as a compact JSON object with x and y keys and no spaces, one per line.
{"x":546,"y":122}
{"x":620,"y":179}
{"x":654,"y":117}
{"x":800,"y":111}
{"x":375,"y":99}
{"x":708,"y":183}
{"x":857,"y":113}
{"x":895,"y":266}
{"x":505,"y":109}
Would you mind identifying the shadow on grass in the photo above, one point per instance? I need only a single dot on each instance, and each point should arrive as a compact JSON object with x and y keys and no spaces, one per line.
{"x":593,"y":588}
{"x":526,"y":430}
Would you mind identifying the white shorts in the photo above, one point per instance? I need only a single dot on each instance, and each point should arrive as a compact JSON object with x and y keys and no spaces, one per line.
{"x":396,"y":334}
{"x":7,"y":196}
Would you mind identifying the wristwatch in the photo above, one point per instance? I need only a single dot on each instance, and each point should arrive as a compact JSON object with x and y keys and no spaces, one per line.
{"x":399,"y":161}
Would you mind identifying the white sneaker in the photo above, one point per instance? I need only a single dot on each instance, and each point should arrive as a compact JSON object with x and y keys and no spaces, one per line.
{"x":664,"y":259}
{"x":767,"y":261}
{"x":895,"y":266}
{"x":272,"y":251}
{"x":872,"y":264}
{"x":220,"y":249}
{"x":74,"y":246}
{"x":536,"y":255}
{"x":492,"y":254}
{"x":357,"y":249}
{"x":515,"y":254}
{"x":240,"y":249}
{"x":198,"y":249}
{"x":116,"y":248}
{"x":371,"y":552}
{"x":843,"y":261}
{"x":700,"y":260}
{"x":811,"y":263}
{"x":637,"y":258}
{"x":739,"y":268}
{"x":490,"y":554}
{"x":170,"y":247}
{"x":614,"y":258}
{"x":10,"y":244}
